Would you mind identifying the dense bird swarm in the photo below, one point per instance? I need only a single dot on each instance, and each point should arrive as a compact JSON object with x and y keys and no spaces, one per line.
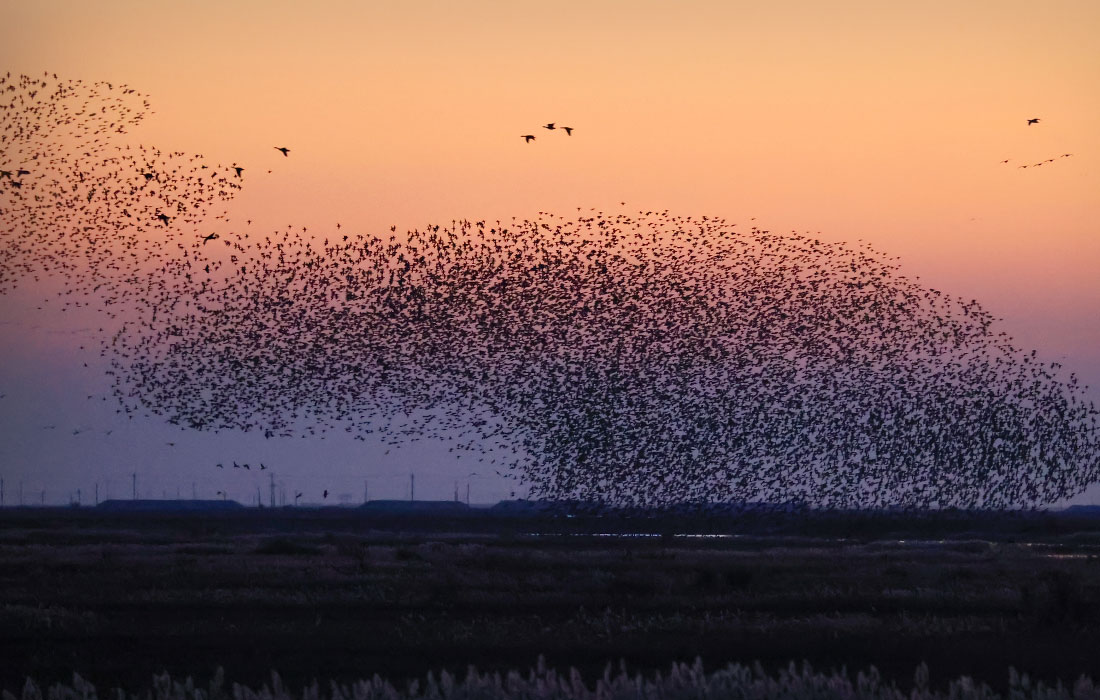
{"x":635,"y":360}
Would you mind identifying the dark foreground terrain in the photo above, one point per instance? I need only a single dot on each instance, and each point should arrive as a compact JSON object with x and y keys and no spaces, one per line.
{"x":330,"y":595}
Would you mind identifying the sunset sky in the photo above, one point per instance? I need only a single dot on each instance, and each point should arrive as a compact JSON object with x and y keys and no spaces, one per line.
{"x":886,"y":122}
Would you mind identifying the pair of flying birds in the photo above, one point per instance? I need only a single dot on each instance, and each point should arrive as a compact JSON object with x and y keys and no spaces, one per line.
{"x":528,"y":138}
{"x":282,"y":149}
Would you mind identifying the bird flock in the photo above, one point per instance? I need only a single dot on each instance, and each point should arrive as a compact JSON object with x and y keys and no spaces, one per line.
{"x":1041,"y":162}
{"x":528,"y":138}
{"x":633,"y":359}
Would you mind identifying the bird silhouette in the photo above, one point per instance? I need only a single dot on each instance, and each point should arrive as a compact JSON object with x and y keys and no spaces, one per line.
{"x":1032,"y":121}
{"x":528,"y":138}
{"x":282,"y":149}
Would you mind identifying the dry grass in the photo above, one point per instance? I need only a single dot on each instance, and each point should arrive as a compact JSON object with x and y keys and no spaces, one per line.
{"x":680,"y":682}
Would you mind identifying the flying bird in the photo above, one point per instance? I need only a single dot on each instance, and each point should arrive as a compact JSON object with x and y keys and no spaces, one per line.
{"x":206,"y":239}
{"x":549,"y":126}
{"x":1032,"y":121}
{"x":282,"y":149}
{"x":238,"y":169}
{"x":528,"y":138}
{"x":568,"y":130}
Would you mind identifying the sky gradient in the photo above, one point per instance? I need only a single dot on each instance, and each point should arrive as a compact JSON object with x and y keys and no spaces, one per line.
{"x":858,"y":120}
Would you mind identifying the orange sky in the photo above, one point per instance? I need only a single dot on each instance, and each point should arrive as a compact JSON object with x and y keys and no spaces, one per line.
{"x":876,"y":120}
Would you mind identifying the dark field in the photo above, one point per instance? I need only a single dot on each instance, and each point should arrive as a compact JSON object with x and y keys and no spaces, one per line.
{"x":332,"y":595}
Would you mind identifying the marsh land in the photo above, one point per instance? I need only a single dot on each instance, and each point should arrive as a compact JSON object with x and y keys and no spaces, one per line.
{"x":341,"y":595}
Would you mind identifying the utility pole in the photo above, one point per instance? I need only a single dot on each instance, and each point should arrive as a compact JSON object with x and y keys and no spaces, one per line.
{"x":272,"y":475}
{"x":467,"y":493}
{"x":135,"y":485}
{"x":1,"y":492}
{"x":97,"y":493}
{"x":20,"y":493}
{"x":78,"y":496}
{"x":366,"y":494}
{"x":456,"y":492}
{"x":258,"y":503}
{"x":412,"y":487}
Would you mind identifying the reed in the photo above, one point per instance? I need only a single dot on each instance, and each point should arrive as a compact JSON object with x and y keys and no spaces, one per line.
{"x":681,"y":682}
